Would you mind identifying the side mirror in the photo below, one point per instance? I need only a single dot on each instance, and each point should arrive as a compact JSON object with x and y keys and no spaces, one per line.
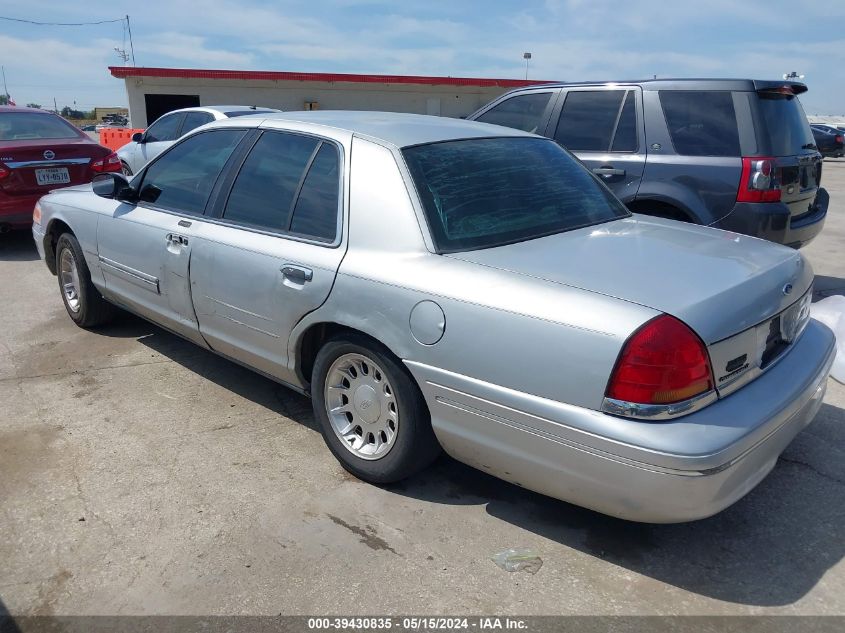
{"x":111,"y":185}
{"x":138,"y":137}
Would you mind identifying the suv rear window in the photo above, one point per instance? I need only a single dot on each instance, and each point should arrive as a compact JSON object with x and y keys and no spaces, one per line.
{"x":479,"y":193}
{"x":701,"y":122}
{"x":786,"y":125}
{"x":598,"y":121}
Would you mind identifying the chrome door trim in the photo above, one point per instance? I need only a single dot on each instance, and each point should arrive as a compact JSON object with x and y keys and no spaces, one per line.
{"x":130,"y":274}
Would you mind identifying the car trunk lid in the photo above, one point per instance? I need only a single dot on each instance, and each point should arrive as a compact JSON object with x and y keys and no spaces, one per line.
{"x":39,"y":165}
{"x":719,"y":283}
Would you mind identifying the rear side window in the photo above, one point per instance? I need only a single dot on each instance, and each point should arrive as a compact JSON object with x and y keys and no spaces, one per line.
{"x":194,"y":119}
{"x":523,"y":112}
{"x":269,"y":179}
{"x":20,"y":126}
{"x":598,"y":121}
{"x":182,"y":178}
{"x":315,"y":213}
{"x":785,"y":124}
{"x":701,"y":122}
{"x":479,"y":193}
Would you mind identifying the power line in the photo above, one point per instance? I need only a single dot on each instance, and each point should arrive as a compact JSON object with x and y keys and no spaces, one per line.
{"x":60,"y":23}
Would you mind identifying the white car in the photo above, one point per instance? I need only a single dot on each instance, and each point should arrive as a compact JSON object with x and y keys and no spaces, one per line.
{"x":148,"y":144}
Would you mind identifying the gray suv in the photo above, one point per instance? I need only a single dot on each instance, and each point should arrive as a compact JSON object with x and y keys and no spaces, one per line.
{"x":736,"y":154}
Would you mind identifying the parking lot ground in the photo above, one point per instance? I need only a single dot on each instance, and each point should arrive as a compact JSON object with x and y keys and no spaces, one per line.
{"x":140,"y":474}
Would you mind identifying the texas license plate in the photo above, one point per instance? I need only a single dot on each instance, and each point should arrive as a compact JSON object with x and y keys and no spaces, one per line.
{"x":52,"y":176}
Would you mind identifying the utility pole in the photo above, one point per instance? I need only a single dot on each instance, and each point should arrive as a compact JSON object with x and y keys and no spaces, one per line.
{"x":131,"y":46}
{"x":55,"y":106}
{"x":5,"y":89}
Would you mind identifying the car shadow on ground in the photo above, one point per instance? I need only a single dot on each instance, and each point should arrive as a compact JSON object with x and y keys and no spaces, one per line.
{"x":17,"y":246}
{"x":769,"y":549}
{"x":824,"y":286}
{"x":229,"y":375}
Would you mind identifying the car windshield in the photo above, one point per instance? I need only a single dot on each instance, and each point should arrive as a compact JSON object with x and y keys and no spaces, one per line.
{"x":786,"y":125}
{"x":21,"y":126}
{"x":480,"y":193}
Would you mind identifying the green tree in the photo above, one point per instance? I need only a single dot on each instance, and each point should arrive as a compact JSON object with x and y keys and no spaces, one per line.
{"x":4,"y":99}
{"x":37,"y":106}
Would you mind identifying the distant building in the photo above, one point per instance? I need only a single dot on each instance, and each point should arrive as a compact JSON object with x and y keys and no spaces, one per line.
{"x":155,"y":91}
{"x":99,"y":113}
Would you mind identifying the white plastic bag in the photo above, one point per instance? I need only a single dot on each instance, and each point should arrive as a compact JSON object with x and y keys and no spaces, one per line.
{"x":831,"y":312}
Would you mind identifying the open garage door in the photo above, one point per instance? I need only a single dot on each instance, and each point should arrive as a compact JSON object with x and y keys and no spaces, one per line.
{"x":162,"y":104}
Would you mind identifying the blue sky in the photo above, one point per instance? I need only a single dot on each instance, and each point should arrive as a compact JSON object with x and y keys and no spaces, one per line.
{"x":569,"y":39}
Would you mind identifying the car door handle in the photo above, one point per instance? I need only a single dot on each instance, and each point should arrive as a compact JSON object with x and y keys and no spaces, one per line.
{"x":608,"y":171}
{"x":299,"y":274}
{"x":173,"y":238}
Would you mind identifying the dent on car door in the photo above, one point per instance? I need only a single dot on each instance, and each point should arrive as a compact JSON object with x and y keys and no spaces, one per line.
{"x":604,"y":129}
{"x":274,"y":254}
{"x":145,"y":246}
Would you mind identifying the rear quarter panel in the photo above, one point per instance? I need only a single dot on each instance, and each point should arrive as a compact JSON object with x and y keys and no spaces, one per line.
{"x":510,"y":330}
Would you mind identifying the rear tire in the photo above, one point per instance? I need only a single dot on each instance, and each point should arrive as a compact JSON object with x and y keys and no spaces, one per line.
{"x":371,"y":413}
{"x":83,"y":302}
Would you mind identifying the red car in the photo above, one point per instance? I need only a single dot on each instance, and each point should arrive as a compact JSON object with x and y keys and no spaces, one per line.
{"x":40,"y":151}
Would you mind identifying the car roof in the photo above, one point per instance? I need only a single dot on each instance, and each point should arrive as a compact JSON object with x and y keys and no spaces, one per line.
{"x":396,"y":128}
{"x":7,"y":108}
{"x":685,"y":83}
{"x":223,"y":109}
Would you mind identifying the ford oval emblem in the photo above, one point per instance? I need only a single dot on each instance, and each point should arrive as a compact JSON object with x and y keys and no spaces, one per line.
{"x":787,"y":289}
{"x":49,"y":154}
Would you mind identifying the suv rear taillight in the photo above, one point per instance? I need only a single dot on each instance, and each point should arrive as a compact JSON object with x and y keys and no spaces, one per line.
{"x":759,"y":181}
{"x":663,"y":362}
{"x":838,"y":138}
{"x":109,"y":163}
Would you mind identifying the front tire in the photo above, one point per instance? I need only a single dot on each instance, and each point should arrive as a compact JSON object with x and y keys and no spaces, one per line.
{"x":83,"y":302}
{"x":371,"y":413}
{"x":125,"y":169}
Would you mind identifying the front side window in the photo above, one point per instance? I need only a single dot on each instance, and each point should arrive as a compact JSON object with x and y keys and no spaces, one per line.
{"x":701,"y":122}
{"x":598,"y":121}
{"x":165,"y":129}
{"x":479,"y":193}
{"x":182,"y":178}
{"x":522,"y":112}
{"x":21,"y":126}
{"x":195,"y":119}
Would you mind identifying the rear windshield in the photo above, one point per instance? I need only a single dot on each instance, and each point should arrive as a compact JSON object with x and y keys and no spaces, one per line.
{"x":246,"y":112}
{"x":479,"y":193}
{"x":21,"y":126}
{"x":786,"y":128}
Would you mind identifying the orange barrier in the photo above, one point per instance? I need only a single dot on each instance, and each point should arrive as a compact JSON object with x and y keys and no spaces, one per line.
{"x":116,"y":137}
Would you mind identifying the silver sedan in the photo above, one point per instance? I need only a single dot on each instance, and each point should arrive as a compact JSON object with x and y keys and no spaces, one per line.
{"x":436,"y":284}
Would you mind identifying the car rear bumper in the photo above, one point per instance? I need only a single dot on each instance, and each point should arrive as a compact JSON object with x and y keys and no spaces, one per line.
{"x":772,"y":221}
{"x":655,"y":472}
{"x":16,"y":211}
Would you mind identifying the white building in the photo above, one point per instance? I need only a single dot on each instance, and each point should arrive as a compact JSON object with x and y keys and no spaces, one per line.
{"x":154,"y":91}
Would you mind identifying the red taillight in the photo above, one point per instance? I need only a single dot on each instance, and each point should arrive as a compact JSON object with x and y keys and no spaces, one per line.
{"x":4,"y":171}
{"x":109,"y":163}
{"x":663,"y":362}
{"x":838,"y":138}
{"x":759,"y":181}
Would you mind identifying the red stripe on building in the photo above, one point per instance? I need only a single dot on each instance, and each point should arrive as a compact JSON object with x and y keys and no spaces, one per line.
{"x":122,"y":72}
